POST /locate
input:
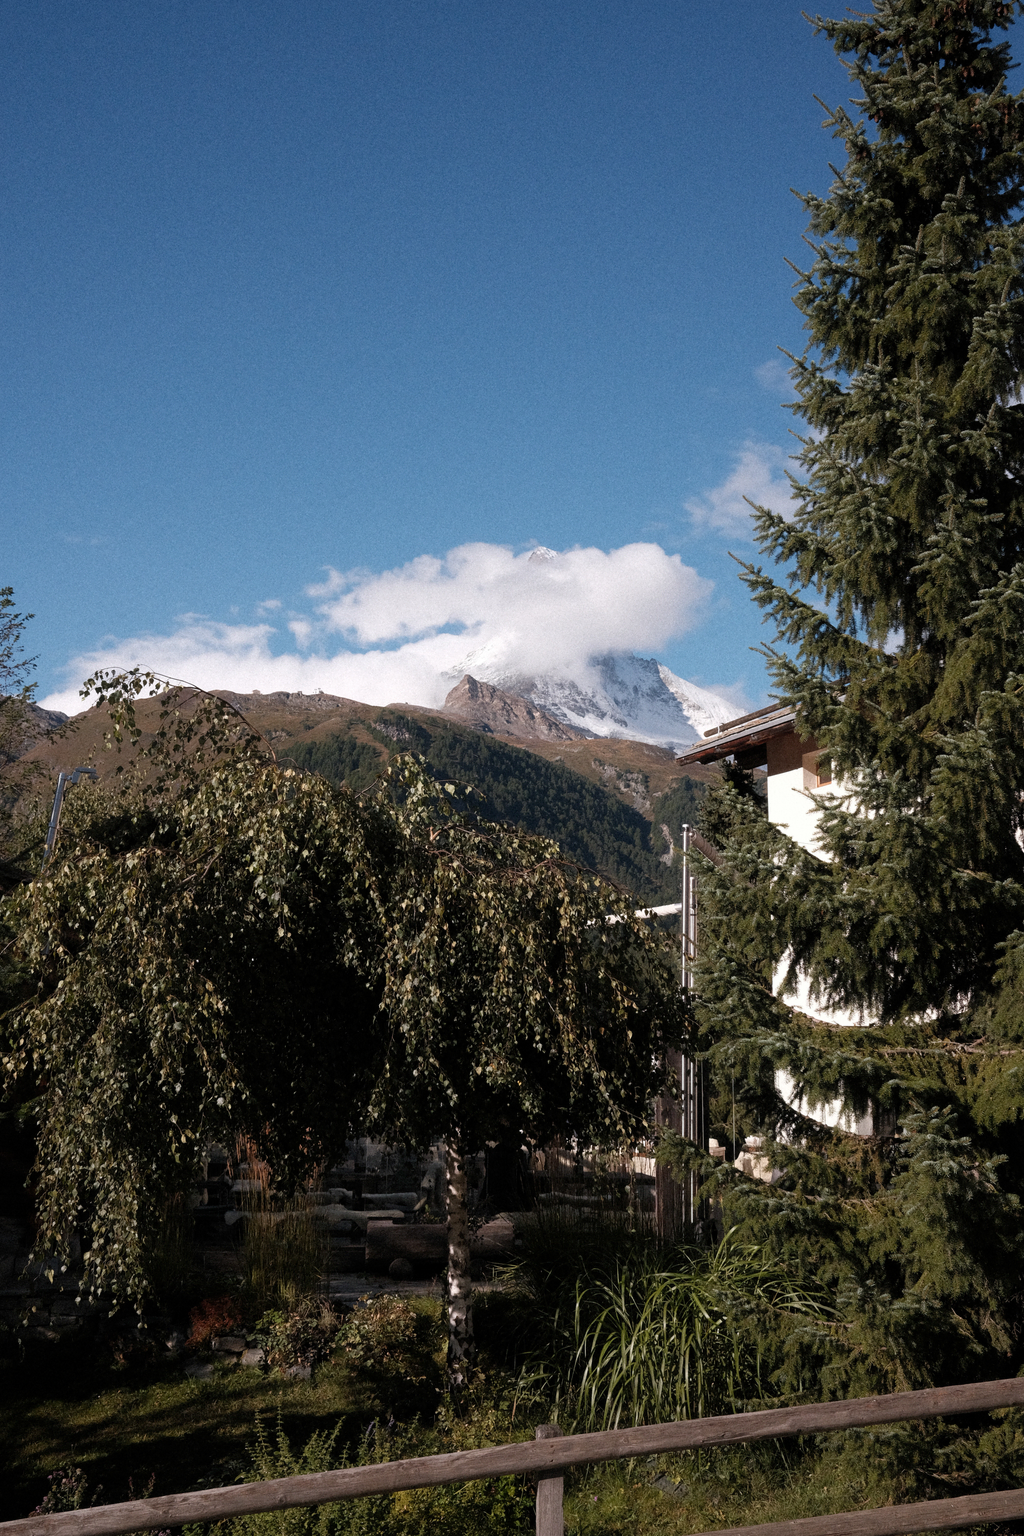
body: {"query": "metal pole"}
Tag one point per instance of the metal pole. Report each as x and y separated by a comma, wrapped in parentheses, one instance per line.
(63, 780)
(550, 1518)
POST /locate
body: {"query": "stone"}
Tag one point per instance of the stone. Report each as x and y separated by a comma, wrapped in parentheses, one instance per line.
(199, 1370)
(669, 1486)
(228, 1344)
(297, 1372)
(400, 1269)
(65, 1324)
(253, 1357)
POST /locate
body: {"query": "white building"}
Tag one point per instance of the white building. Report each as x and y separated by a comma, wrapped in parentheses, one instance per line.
(767, 739)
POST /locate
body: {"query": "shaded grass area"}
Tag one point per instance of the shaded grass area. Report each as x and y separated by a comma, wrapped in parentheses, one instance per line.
(66, 1403)
(718, 1490)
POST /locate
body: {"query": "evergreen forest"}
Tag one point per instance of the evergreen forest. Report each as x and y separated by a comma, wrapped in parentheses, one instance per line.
(590, 824)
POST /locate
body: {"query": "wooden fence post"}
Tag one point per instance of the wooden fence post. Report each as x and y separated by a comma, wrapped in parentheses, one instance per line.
(550, 1521)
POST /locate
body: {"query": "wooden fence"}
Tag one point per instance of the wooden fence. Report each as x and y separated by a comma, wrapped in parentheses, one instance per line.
(547, 1458)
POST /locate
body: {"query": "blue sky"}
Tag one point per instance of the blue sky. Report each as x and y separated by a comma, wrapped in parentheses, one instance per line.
(293, 289)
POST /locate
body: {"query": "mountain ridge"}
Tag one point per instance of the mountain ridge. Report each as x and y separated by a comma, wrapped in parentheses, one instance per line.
(616, 694)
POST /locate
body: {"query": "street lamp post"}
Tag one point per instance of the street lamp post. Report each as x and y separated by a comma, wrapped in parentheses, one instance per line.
(63, 780)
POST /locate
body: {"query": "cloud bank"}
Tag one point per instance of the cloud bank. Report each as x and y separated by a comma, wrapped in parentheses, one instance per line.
(758, 474)
(388, 637)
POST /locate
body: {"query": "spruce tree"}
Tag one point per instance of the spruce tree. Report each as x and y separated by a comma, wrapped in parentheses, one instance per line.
(896, 588)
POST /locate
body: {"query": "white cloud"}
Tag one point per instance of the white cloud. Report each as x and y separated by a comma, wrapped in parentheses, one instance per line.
(757, 476)
(388, 637)
(774, 376)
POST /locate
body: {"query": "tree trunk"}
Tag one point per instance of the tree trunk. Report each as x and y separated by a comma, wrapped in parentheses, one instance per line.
(461, 1343)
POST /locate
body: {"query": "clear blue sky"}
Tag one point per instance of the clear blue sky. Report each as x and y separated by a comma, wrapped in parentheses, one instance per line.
(308, 285)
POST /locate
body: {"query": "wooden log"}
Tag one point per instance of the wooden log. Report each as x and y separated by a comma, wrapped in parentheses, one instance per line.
(896, 1519)
(425, 1246)
(550, 1520)
(541, 1457)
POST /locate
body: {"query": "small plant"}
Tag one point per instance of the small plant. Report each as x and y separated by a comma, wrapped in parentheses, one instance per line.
(301, 1336)
(641, 1333)
(386, 1336)
(213, 1317)
(284, 1249)
(68, 1489)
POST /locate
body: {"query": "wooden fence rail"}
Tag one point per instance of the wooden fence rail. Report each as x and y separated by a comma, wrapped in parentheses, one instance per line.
(548, 1456)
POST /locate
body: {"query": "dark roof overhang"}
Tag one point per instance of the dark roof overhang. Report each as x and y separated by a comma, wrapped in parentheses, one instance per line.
(742, 737)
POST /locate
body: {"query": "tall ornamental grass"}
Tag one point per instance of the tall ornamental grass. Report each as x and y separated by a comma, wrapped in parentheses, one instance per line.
(642, 1333)
(284, 1249)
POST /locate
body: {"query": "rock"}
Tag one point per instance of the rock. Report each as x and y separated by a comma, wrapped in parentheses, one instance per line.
(400, 1269)
(228, 1344)
(253, 1357)
(200, 1370)
(666, 1484)
(297, 1372)
(404, 1200)
(486, 708)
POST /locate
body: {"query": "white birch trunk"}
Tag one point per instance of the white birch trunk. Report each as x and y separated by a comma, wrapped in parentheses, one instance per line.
(461, 1343)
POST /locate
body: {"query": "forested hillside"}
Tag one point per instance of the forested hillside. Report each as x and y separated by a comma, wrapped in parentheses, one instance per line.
(590, 822)
(615, 806)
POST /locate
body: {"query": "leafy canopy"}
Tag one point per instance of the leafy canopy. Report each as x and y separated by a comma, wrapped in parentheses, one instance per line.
(222, 946)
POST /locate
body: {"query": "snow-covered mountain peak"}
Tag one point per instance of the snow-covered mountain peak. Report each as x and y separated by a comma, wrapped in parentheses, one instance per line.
(618, 694)
(704, 708)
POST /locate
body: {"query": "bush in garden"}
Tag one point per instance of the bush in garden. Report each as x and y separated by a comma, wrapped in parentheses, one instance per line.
(301, 1336)
(213, 1317)
(68, 1489)
(388, 1336)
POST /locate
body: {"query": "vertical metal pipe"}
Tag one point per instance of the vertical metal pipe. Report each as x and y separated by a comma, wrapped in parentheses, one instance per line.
(63, 780)
(51, 831)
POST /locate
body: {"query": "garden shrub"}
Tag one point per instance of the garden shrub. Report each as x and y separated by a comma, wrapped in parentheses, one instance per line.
(301, 1336)
(212, 1318)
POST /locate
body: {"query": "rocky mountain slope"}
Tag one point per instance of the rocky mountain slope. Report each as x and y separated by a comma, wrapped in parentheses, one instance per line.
(486, 708)
(630, 697)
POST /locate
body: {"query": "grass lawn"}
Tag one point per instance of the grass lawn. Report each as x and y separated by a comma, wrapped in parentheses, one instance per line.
(64, 1404)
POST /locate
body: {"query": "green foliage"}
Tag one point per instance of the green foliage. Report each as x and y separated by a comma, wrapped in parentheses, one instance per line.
(624, 1330)
(225, 948)
(901, 648)
(395, 1344)
(388, 1336)
(340, 759)
(284, 1254)
(590, 824)
(503, 1505)
(302, 1335)
(513, 1002)
(170, 950)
